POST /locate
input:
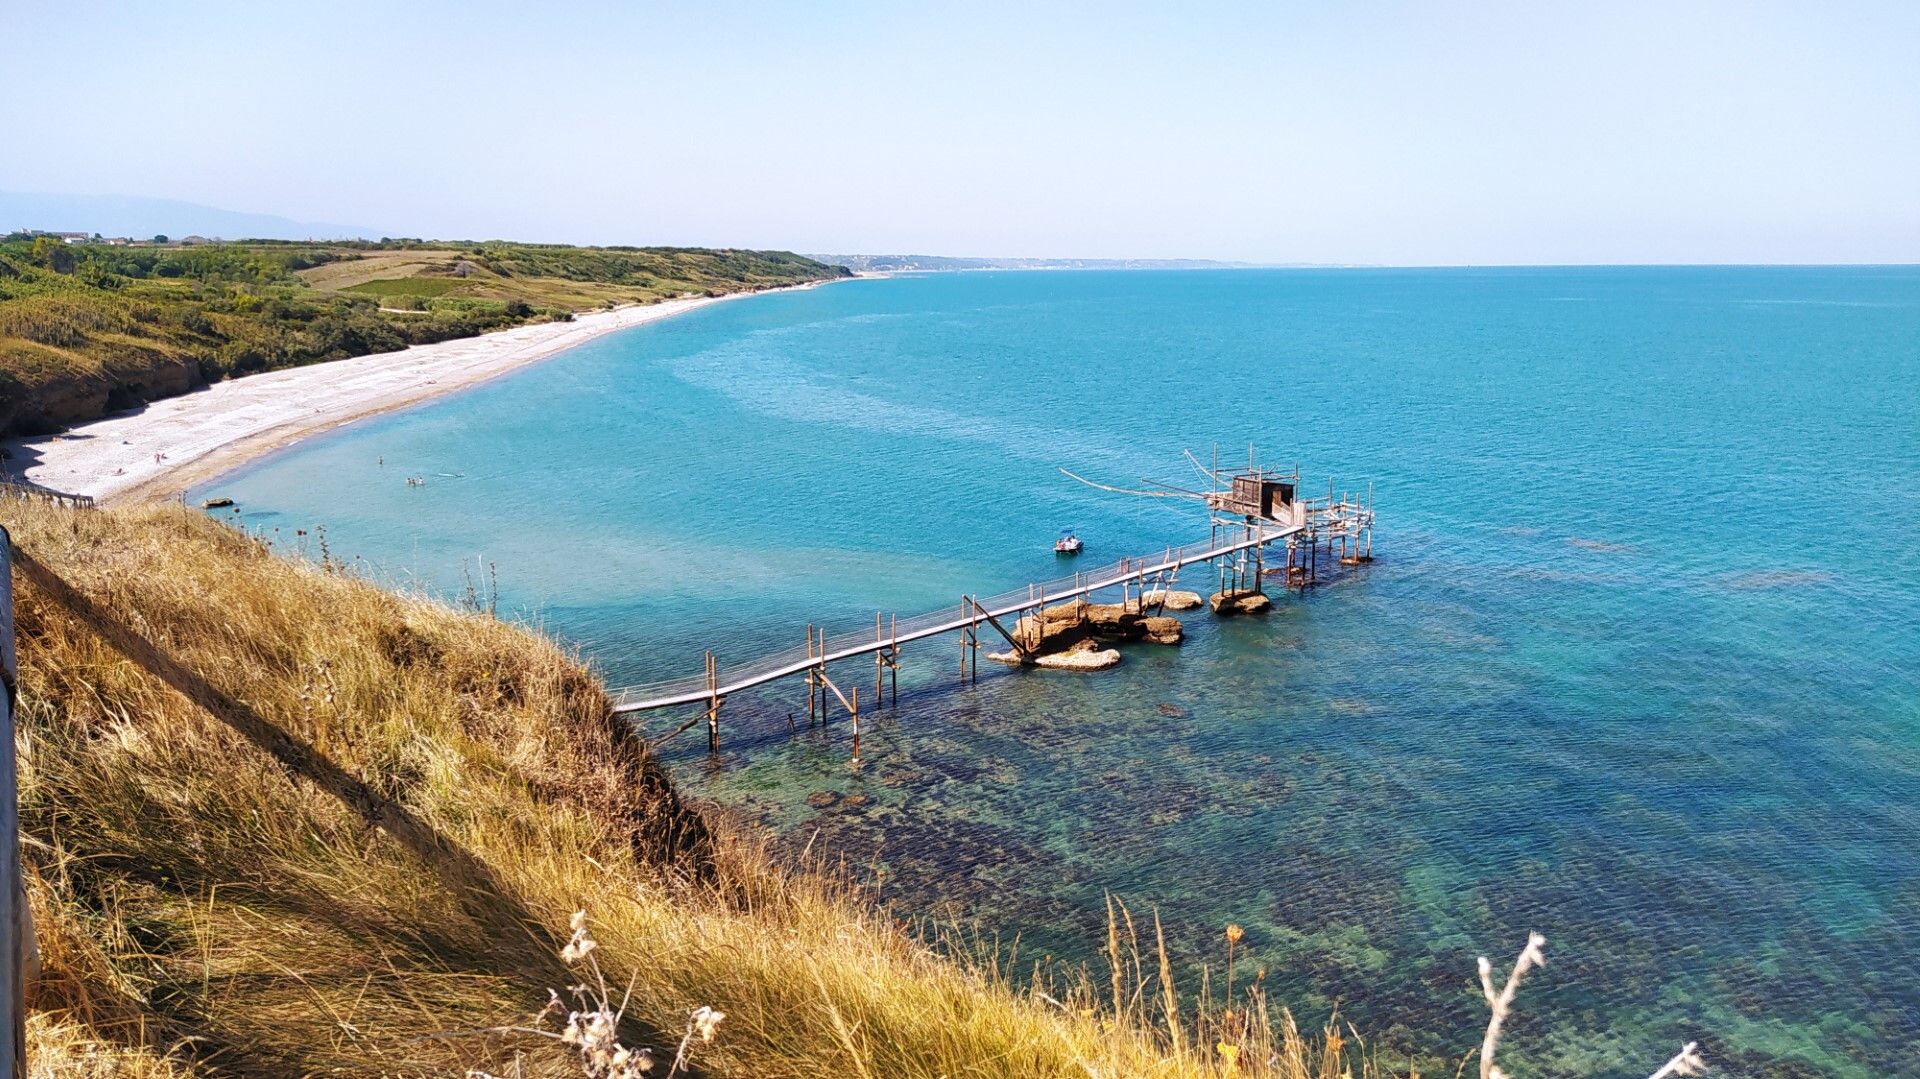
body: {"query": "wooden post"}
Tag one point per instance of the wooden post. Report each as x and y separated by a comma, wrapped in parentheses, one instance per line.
(966, 611)
(17, 947)
(1019, 649)
(810, 685)
(713, 705)
(848, 703)
(822, 672)
(972, 643)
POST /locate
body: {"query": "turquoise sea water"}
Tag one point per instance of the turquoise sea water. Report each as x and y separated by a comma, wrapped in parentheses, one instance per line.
(1636, 667)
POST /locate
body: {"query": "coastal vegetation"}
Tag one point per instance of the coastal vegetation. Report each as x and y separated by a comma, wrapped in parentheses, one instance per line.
(280, 822)
(86, 329)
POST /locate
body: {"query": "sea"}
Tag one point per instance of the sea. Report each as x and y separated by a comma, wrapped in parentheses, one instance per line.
(1636, 665)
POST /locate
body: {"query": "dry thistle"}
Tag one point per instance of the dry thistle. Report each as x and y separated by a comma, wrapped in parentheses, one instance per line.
(580, 945)
(702, 1022)
(592, 1027)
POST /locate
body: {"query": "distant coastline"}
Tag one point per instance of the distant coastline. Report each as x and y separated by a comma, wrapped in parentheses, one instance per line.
(171, 445)
(941, 263)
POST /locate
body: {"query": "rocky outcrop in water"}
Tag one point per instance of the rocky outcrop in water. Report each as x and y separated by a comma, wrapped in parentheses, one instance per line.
(1060, 627)
(1076, 636)
(1163, 629)
(1171, 600)
(1227, 604)
(1084, 656)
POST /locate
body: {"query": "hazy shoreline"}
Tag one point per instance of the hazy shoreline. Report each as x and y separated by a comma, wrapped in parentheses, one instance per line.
(176, 443)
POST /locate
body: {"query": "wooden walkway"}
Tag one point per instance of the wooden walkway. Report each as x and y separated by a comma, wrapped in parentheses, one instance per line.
(1146, 572)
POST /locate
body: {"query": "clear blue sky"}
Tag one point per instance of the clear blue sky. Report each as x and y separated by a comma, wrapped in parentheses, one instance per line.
(1494, 132)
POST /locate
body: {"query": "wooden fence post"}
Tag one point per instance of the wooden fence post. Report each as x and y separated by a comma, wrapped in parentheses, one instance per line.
(16, 921)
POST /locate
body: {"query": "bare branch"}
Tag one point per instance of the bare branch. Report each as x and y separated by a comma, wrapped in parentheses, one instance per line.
(1500, 1004)
(1686, 1062)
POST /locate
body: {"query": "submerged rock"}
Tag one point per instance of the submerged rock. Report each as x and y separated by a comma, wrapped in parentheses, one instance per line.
(1232, 603)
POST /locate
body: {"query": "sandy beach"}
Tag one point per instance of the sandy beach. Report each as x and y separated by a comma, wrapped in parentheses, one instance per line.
(173, 444)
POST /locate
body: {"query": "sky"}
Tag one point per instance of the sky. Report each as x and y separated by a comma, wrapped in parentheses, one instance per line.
(1420, 133)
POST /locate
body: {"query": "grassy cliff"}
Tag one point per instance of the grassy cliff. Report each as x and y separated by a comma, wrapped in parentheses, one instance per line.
(279, 822)
(90, 328)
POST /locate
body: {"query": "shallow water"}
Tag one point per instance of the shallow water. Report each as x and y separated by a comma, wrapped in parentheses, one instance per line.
(1635, 668)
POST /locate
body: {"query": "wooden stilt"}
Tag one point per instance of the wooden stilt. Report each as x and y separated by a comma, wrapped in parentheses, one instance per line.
(714, 701)
(966, 634)
(1018, 647)
(811, 688)
(820, 670)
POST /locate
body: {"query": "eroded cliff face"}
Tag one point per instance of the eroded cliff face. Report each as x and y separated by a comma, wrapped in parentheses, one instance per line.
(33, 406)
(164, 376)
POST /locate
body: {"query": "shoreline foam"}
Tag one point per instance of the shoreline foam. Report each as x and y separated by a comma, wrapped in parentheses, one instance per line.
(205, 434)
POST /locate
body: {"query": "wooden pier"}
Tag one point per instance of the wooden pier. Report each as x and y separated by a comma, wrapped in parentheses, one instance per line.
(1251, 510)
(970, 615)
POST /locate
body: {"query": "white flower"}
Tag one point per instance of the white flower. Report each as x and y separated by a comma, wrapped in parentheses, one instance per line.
(704, 1020)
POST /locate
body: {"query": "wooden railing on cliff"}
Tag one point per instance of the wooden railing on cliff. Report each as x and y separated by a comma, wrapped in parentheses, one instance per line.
(10, 489)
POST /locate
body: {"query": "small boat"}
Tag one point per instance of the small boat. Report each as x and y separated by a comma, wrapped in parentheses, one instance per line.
(216, 503)
(1067, 544)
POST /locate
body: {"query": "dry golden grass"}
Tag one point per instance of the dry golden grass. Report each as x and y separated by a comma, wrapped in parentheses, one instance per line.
(279, 822)
(378, 265)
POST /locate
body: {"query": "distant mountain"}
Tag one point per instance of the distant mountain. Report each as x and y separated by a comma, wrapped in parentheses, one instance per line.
(905, 263)
(139, 218)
